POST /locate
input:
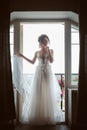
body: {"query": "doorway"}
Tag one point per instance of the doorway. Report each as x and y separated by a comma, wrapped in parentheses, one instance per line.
(63, 34)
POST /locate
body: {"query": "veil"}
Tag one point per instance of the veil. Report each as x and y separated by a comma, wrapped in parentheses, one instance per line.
(21, 80)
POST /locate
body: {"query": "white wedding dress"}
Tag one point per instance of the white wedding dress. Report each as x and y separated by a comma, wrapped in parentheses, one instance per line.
(42, 97)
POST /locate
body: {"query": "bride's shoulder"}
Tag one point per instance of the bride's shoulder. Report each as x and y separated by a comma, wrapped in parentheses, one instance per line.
(37, 52)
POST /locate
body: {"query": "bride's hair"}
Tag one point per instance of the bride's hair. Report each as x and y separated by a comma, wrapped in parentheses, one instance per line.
(42, 37)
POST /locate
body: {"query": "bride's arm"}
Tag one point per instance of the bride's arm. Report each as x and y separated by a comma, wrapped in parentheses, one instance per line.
(29, 60)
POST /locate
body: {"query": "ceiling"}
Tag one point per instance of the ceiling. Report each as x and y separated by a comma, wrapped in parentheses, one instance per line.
(44, 15)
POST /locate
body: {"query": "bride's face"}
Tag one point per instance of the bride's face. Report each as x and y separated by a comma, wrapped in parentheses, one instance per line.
(44, 43)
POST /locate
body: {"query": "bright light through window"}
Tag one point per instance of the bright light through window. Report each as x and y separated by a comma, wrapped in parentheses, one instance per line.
(74, 55)
(55, 32)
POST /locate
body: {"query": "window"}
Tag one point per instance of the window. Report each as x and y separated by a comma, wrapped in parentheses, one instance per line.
(74, 55)
(55, 32)
(12, 43)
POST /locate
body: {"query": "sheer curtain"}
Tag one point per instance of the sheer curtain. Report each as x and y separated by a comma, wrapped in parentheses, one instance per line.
(7, 107)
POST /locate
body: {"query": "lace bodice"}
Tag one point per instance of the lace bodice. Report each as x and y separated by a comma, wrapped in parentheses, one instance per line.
(43, 60)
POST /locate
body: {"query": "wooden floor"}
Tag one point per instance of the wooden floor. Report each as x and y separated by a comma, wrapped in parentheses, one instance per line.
(56, 127)
(27, 127)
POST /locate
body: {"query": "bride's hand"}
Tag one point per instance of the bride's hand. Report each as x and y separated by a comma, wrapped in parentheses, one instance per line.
(48, 49)
(19, 54)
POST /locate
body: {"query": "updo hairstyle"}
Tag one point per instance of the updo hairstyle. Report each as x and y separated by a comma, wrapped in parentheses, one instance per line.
(42, 37)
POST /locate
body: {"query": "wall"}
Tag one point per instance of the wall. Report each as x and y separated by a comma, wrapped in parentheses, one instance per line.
(44, 5)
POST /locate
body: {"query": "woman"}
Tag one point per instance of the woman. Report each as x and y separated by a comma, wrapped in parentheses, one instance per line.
(40, 107)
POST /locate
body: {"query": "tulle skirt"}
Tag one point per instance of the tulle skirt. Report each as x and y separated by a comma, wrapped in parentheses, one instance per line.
(41, 104)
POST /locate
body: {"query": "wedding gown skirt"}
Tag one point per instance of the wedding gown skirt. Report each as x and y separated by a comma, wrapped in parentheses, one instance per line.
(41, 104)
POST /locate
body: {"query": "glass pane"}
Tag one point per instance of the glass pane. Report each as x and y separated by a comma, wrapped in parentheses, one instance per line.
(55, 32)
(74, 64)
(11, 38)
(74, 35)
(75, 38)
(11, 53)
(11, 50)
(12, 28)
(11, 45)
(74, 55)
(75, 58)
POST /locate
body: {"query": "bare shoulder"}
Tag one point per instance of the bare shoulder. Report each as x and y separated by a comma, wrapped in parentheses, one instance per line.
(36, 53)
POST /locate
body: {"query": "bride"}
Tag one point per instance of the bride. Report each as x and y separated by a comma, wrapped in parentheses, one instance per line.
(40, 106)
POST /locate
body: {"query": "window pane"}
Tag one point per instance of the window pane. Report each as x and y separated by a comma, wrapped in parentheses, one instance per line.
(75, 63)
(55, 32)
(11, 29)
(11, 44)
(74, 35)
(11, 49)
(75, 38)
(74, 55)
(11, 38)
